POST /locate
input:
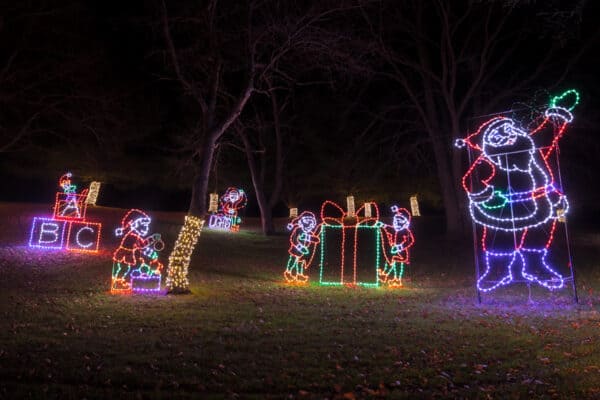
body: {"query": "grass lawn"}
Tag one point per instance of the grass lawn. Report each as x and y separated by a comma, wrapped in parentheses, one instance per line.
(243, 333)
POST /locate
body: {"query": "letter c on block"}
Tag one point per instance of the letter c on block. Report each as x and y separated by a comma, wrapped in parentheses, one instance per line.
(79, 243)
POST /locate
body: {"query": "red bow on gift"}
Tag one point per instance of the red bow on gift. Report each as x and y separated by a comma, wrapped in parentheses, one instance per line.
(334, 215)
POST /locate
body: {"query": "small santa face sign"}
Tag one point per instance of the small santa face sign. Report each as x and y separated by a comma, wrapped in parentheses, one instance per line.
(227, 217)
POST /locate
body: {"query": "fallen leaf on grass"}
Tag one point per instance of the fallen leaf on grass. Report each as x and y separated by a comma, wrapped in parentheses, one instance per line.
(591, 368)
(479, 368)
(532, 381)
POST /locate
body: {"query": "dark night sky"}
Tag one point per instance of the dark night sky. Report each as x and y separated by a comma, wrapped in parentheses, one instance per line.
(123, 130)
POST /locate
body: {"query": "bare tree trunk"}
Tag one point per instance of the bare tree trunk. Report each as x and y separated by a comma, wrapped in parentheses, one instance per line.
(179, 260)
(266, 214)
(201, 77)
(259, 170)
(201, 179)
(454, 225)
(268, 227)
(276, 194)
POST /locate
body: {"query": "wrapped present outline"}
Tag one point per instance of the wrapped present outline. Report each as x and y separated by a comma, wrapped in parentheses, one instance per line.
(334, 217)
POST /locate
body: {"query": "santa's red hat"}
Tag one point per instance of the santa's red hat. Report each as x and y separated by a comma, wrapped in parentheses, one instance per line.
(475, 140)
(130, 220)
(402, 212)
(294, 222)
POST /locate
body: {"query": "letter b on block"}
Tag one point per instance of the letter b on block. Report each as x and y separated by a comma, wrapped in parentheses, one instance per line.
(47, 233)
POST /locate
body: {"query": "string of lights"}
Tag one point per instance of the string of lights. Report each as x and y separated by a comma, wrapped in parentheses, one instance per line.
(179, 260)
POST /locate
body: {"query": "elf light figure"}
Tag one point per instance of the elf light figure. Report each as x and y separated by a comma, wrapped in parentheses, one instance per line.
(399, 239)
(65, 183)
(303, 243)
(136, 258)
(514, 197)
(231, 202)
(69, 204)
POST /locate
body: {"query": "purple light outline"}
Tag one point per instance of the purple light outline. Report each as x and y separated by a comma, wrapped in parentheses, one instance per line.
(146, 278)
(62, 233)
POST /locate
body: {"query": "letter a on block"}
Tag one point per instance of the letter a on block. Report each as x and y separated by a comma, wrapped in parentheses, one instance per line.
(71, 209)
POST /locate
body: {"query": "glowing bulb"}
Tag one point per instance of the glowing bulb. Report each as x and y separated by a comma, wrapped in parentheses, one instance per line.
(93, 192)
(367, 207)
(414, 206)
(213, 203)
(350, 206)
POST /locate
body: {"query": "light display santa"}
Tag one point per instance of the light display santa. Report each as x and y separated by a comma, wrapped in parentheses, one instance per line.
(232, 202)
(514, 197)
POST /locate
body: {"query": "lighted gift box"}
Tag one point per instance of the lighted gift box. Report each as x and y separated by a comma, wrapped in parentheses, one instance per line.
(145, 283)
(350, 247)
